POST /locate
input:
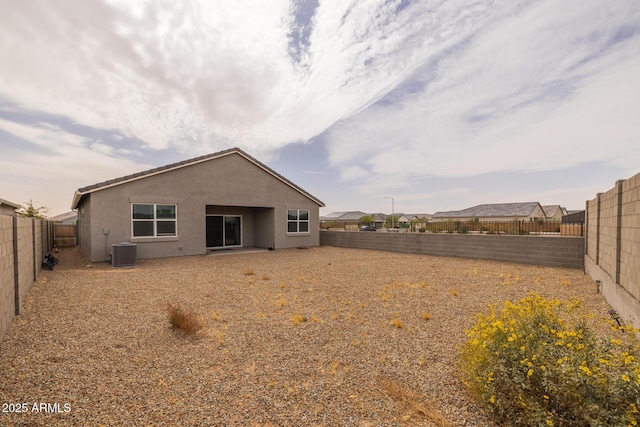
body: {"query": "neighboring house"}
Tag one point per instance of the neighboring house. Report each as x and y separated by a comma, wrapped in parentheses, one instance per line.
(495, 212)
(554, 212)
(418, 221)
(347, 220)
(378, 219)
(402, 220)
(8, 208)
(68, 218)
(350, 218)
(219, 201)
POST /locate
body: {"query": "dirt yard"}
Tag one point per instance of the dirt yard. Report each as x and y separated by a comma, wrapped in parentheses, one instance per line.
(315, 337)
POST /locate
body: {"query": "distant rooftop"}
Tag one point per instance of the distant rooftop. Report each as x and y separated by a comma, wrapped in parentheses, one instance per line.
(491, 210)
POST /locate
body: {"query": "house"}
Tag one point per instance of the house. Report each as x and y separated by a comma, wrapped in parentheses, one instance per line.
(402, 220)
(528, 211)
(68, 218)
(418, 221)
(554, 212)
(8, 208)
(351, 219)
(223, 200)
(377, 219)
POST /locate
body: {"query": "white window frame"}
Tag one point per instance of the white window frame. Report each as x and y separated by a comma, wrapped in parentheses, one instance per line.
(298, 221)
(155, 221)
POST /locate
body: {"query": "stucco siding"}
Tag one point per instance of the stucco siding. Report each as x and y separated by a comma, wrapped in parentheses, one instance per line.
(229, 181)
(84, 238)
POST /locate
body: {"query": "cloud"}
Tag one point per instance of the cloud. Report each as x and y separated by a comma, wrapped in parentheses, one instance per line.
(198, 76)
(170, 74)
(539, 90)
(352, 173)
(59, 163)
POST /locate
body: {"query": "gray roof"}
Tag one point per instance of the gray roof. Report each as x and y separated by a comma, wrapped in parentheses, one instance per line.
(333, 215)
(344, 216)
(492, 210)
(420, 215)
(352, 216)
(551, 210)
(128, 178)
(63, 216)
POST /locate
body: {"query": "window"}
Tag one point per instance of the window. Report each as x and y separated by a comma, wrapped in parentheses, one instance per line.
(297, 221)
(153, 220)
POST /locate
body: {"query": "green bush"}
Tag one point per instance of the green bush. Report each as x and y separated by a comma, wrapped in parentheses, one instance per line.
(537, 363)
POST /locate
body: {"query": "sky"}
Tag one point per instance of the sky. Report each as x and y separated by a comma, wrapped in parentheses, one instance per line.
(441, 105)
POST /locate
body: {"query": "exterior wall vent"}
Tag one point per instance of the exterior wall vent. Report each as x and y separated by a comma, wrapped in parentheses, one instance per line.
(124, 254)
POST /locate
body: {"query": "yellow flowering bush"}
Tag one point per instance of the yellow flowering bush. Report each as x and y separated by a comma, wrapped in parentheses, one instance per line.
(537, 363)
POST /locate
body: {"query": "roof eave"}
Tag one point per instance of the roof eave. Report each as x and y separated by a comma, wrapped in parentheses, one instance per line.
(76, 199)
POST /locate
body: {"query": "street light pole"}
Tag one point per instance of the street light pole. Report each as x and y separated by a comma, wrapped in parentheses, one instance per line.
(392, 211)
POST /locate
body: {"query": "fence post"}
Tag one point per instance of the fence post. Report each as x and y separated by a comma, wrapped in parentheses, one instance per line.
(16, 275)
(598, 228)
(618, 229)
(33, 249)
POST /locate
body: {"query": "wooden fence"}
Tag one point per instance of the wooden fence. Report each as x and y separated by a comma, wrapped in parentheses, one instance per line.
(503, 227)
(64, 235)
(485, 227)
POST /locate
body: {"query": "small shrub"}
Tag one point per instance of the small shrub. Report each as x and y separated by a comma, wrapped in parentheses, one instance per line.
(537, 363)
(188, 323)
(426, 316)
(298, 318)
(249, 272)
(397, 323)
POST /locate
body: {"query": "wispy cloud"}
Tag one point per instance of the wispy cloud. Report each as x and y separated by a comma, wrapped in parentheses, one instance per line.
(59, 162)
(532, 91)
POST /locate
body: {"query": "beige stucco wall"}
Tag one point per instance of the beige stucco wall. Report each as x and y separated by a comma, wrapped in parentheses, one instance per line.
(225, 182)
(613, 246)
(84, 226)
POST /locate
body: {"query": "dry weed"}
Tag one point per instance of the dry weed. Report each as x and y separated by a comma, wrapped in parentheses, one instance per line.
(412, 401)
(188, 323)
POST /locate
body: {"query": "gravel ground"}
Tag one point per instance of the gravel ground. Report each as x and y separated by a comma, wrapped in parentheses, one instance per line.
(291, 338)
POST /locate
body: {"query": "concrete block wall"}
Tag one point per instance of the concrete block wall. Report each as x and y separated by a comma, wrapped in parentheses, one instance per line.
(591, 228)
(630, 236)
(608, 227)
(552, 251)
(33, 239)
(26, 276)
(7, 299)
(613, 246)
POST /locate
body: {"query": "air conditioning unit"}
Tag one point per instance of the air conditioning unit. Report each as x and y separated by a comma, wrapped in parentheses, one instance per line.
(124, 254)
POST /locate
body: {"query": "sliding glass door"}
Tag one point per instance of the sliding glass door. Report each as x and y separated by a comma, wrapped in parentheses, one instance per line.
(224, 231)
